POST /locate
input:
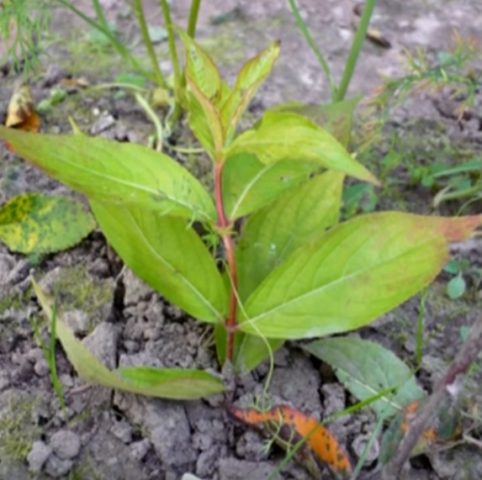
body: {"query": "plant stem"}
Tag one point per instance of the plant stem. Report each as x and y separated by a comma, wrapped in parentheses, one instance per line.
(301, 24)
(224, 224)
(144, 104)
(166, 12)
(141, 19)
(121, 49)
(356, 47)
(193, 14)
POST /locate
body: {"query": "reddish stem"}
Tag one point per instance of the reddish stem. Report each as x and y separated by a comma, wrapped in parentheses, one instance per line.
(225, 225)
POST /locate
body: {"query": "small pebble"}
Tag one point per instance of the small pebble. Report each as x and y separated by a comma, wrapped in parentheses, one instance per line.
(38, 456)
(77, 320)
(66, 444)
(122, 430)
(41, 367)
(57, 467)
(139, 449)
(359, 444)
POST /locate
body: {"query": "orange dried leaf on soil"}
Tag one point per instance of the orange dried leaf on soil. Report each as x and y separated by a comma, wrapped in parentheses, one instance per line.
(21, 113)
(320, 440)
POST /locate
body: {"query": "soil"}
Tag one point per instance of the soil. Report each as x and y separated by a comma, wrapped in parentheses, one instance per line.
(109, 436)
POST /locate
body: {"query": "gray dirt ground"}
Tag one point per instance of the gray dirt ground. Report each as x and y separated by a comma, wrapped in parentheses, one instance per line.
(111, 436)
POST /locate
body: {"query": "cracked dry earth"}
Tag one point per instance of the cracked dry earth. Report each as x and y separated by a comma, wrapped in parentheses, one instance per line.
(113, 436)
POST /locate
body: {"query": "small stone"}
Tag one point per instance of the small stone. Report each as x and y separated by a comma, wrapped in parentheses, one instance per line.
(103, 123)
(41, 367)
(334, 398)
(77, 320)
(123, 431)
(234, 469)
(57, 467)
(136, 289)
(66, 380)
(359, 444)
(4, 380)
(38, 456)
(207, 462)
(66, 444)
(131, 346)
(139, 449)
(102, 342)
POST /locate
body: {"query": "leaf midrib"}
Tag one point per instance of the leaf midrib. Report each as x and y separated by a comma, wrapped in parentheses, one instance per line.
(249, 186)
(135, 186)
(196, 292)
(254, 320)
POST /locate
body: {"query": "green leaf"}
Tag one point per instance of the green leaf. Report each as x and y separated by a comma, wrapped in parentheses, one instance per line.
(351, 275)
(121, 173)
(200, 69)
(274, 232)
(35, 224)
(174, 384)
(249, 185)
(168, 255)
(131, 79)
(366, 368)
(250, 78)
(252, 350)
(204, 120)
(285, 135)
(336, 118)
(456, 287)
(167, 382)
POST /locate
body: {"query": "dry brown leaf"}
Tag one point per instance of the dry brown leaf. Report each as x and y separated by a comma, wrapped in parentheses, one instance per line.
(21, 113)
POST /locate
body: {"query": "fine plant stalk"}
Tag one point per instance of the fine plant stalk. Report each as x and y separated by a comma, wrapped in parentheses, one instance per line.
(144, 104)
(355, 50)
(419, 339)
(99, 13)
(166, 12)
(361, 462)
(224, 225)
(141, 20)
(118, 46)
(303, 27)
(193, 15)
(50, 354)
(467, 354)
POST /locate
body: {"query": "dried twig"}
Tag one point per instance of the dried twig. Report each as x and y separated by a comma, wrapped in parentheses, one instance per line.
(467, 354)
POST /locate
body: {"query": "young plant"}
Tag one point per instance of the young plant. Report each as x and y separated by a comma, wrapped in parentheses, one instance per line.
(287, 271)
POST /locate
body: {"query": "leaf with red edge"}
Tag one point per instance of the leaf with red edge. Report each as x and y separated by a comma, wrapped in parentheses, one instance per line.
(456, 229)
(291, 424)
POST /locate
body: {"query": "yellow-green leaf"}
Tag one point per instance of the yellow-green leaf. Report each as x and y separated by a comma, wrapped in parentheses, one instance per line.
(353, 274)
(271, 235)
(177, 384)
(204, 120)
(249, 185)
(168, 255)
(35, 224)
(250, 78)
(119, 173)
(286, 135)
(200, 69)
